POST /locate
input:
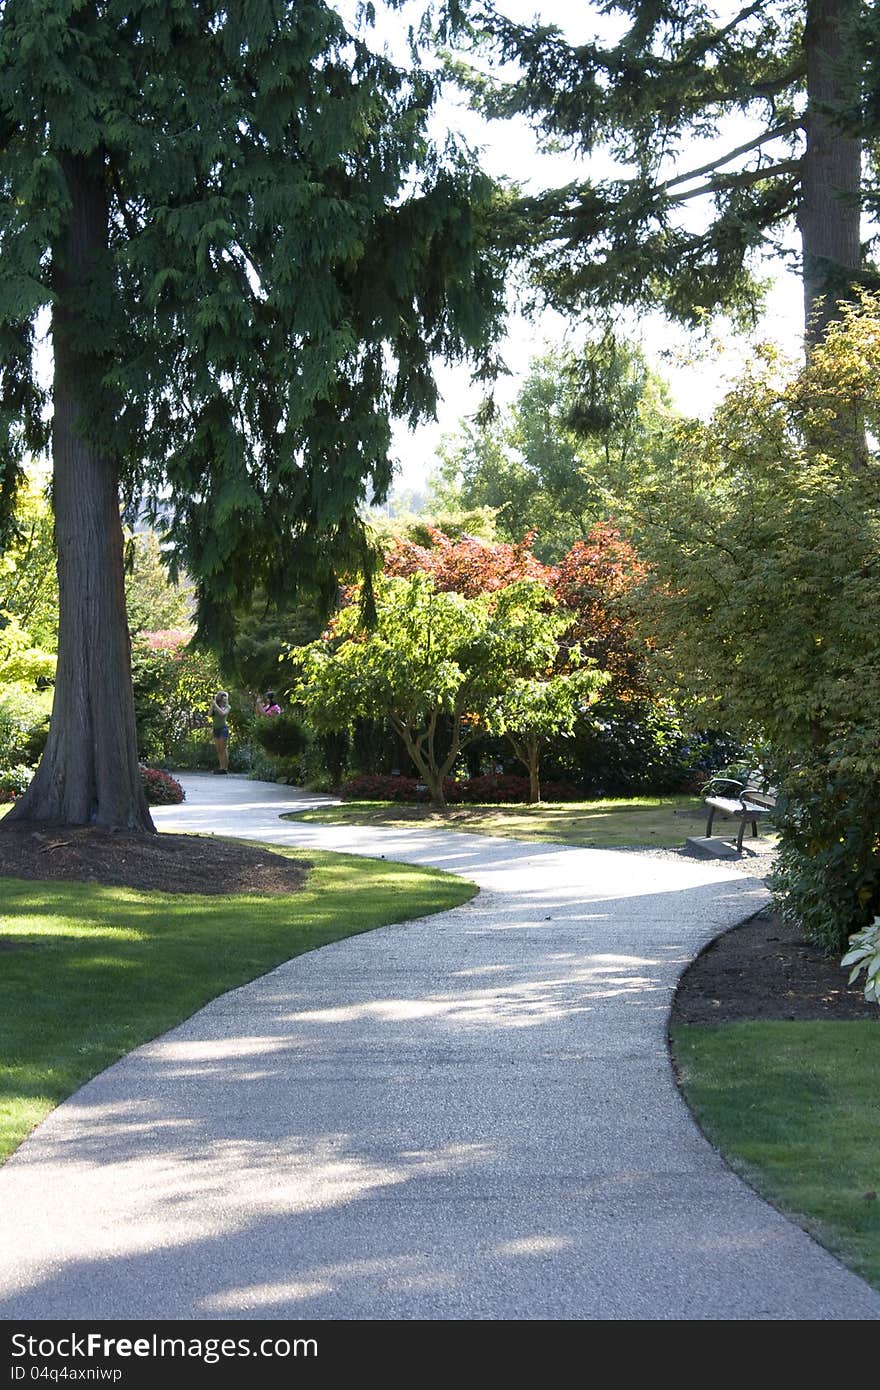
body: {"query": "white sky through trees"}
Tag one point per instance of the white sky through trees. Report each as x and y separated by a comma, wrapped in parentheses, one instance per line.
(509, 149)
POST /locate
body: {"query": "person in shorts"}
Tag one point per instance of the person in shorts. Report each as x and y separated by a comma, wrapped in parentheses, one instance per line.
(220, 724)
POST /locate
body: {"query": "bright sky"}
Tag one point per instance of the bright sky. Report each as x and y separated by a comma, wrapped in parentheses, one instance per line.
(509, 149)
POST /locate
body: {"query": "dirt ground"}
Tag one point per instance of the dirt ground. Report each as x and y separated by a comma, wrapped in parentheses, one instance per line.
(765, 970)
(169, 863)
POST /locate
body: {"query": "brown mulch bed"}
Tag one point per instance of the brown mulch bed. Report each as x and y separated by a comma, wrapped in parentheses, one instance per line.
(169, 863)
(766, 970)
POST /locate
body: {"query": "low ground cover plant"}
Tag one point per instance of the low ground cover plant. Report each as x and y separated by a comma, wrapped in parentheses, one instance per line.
(864, 954)
(491, 789)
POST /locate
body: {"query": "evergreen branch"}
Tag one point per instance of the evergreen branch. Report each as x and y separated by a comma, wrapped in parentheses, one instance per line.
(772, 87)
(124, 211)
(787, 128)
(744, 14)
(743, 180)
(705, 43)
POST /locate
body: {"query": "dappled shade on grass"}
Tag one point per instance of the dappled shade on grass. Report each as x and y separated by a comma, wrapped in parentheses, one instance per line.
(650, 820)
(90, 972)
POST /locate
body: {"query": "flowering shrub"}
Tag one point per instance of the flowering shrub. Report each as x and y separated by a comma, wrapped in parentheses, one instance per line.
(160, 788)
(173, 685)
(380, 788)
(14, 782)
(167, 639)
(493, 789)
(498, 788)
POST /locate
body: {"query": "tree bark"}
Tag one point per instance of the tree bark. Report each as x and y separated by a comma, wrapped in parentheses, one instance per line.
(534, 782)
(89, 771)
(528, 753)
(830, 214)
(432, 778)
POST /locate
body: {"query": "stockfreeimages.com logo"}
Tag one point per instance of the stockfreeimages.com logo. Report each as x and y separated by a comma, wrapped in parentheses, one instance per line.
(94, 1346)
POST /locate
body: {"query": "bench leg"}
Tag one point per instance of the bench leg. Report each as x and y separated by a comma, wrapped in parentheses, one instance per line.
(709, 825)
(755, 829)
(739, 838)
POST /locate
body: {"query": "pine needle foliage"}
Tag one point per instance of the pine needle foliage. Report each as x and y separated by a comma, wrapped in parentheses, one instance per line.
(721, 126)
(285, 250)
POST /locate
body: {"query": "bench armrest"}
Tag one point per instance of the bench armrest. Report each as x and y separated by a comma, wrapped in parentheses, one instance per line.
(715, 784)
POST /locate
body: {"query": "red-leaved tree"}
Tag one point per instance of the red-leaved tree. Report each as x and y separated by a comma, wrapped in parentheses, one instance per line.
(468, 566)
(594, 581)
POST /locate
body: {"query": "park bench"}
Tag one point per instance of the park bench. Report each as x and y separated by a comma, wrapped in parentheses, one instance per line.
(747, 801)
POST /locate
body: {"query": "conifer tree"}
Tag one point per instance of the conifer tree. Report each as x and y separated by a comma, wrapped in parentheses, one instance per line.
(251, 252)
(677, 71)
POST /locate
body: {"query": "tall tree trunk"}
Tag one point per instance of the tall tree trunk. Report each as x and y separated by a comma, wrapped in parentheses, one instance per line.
(89, 771)
(534, 782)
(527, 751)
(830, 221)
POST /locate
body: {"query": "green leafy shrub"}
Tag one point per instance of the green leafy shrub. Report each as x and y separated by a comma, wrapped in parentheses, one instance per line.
(257, 763)
(864, 954)
(24, 723)
(762, 531)
(626, 749)
(281, 735)
(827, 874)
(173, 686)
(192, 752)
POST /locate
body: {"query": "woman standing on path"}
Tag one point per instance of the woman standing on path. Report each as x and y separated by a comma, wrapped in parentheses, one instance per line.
(219, 718)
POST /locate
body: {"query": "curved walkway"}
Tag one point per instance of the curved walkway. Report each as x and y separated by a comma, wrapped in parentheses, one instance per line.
(467, 1116)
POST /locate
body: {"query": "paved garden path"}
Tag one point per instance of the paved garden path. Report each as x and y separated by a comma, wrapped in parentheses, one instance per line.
(467, 1116)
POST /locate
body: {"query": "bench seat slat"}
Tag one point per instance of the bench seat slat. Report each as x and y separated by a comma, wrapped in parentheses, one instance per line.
(749, 805)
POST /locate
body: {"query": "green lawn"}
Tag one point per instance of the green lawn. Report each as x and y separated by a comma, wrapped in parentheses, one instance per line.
(90, 972)
(793, 1107)
(643, 820)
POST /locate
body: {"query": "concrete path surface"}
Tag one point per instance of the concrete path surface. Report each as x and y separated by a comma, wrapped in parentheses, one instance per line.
(471, 1116)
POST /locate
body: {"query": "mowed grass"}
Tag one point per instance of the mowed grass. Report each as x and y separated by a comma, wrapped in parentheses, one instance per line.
(646, 820)
(88, 973)
(793, 1107)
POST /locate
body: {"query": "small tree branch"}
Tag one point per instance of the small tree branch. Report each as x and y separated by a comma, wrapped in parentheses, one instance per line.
(742, 180)
(745, 13)
(787, 128)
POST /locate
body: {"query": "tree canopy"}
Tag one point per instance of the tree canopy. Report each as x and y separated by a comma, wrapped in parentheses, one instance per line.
(272, 281)
(582, 418)
(763, 546)
(251, 251)
(443, 668)
(725, 128)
